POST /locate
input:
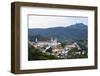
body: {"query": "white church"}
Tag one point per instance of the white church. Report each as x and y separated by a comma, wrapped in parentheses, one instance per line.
(51, 43)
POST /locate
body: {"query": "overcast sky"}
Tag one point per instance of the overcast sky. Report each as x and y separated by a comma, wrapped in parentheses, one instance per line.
(37, 21)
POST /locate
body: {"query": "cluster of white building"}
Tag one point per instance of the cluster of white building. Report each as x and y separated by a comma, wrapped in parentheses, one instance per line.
(57, 49)
(52, 42)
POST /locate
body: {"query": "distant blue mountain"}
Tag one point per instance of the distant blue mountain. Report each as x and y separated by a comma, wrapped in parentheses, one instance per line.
(73, 32)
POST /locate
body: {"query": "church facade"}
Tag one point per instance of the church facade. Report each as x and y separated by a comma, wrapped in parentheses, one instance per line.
(51, 43)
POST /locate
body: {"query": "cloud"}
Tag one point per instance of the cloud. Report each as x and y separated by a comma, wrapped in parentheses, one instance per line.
(37, 21)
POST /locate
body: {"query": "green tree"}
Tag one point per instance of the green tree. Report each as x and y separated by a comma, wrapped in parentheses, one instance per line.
(63, 44)
(36, 54)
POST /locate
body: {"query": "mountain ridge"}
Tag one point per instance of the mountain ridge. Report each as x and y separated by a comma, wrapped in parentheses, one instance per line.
(74, 32)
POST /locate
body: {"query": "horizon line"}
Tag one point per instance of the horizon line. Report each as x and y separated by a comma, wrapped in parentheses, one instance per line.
(59, 26)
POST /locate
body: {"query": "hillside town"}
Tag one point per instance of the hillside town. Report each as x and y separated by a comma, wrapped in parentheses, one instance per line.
(54, 47)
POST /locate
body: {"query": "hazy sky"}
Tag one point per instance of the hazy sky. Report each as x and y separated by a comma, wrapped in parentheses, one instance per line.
(39, 21)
